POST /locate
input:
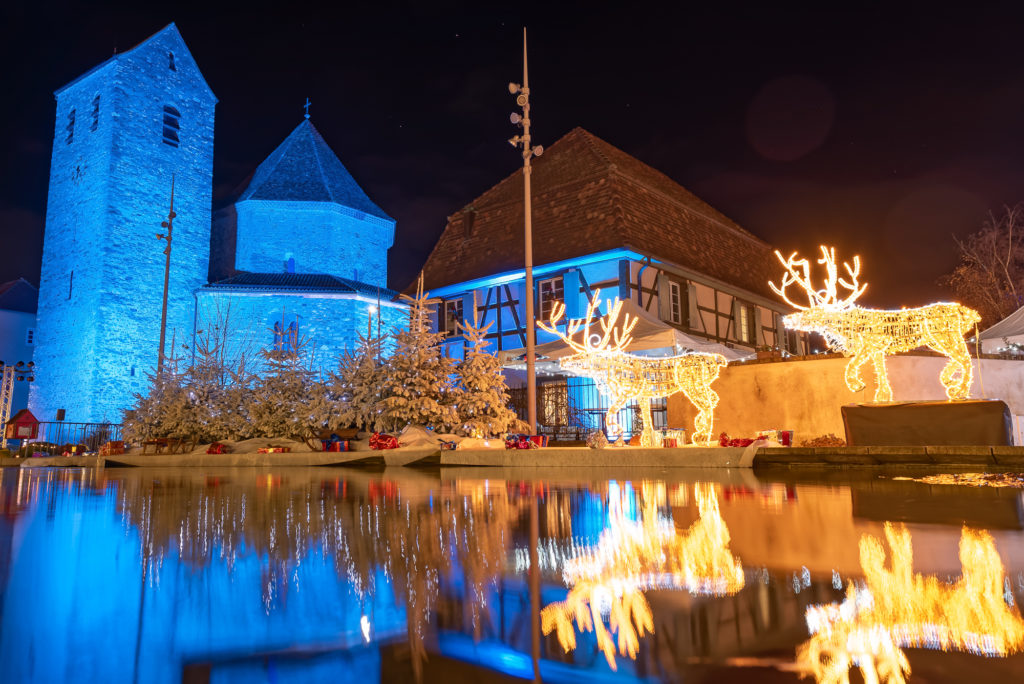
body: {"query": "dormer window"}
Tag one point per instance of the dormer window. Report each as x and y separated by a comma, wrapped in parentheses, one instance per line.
(172, 126)
(170, 61)
(95, 113)
(70, 127)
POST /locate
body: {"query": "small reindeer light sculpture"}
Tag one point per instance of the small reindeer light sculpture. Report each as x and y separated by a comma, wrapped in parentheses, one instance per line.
(872, 334)
(626, 377)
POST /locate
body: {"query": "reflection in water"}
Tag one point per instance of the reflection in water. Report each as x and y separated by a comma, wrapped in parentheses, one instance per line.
(632, 557)
(412, 543)
(296, 575)
(898, 608)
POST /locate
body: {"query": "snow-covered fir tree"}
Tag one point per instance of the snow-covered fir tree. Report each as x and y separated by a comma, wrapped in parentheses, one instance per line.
(419, 387)
(288, 399)
(161, 411)
(357, 387)
(484, 403)
(209, 413)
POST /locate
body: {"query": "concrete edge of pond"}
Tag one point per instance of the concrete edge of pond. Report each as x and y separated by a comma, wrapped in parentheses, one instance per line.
(988, 457)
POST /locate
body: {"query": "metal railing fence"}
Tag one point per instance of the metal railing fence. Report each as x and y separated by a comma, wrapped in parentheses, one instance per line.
(570, 407)
(56, 438)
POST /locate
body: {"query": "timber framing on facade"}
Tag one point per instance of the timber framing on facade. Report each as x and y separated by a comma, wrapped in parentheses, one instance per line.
(604, 220)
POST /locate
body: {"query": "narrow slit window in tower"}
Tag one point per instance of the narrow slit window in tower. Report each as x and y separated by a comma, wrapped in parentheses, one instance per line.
(172, 126)
(95, 113)
(170, 62)
(71, 127)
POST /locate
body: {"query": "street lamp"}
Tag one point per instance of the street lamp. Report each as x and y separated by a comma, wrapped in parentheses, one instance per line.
(522, 93)
(169, 225)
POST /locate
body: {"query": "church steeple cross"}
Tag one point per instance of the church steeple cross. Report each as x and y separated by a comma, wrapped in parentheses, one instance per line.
(306, 107)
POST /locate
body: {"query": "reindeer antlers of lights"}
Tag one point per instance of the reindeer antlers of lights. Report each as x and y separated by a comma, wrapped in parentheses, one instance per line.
(827, 297)
(612, 337)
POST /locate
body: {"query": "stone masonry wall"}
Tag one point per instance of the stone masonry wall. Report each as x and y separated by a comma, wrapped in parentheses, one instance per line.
(96, 346)
(322, 237)
(329, 324)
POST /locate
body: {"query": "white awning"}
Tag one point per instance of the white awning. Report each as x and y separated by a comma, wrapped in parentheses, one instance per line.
(1010, 328)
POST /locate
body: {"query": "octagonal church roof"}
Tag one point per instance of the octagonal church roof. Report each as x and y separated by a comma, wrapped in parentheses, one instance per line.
(304, 169)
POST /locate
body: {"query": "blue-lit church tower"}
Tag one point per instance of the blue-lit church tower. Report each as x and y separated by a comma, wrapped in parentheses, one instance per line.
(123, 130)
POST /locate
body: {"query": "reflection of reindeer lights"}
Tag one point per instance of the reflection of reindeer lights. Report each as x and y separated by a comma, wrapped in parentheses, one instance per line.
(631, 557)
(870, 334)
(897, 608)
(626, 377)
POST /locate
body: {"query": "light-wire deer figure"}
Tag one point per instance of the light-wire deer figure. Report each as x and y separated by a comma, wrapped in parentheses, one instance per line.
(626, 377)
(872, 334)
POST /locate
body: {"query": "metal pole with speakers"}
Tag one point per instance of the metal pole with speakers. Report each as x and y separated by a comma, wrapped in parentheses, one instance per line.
(522, 93)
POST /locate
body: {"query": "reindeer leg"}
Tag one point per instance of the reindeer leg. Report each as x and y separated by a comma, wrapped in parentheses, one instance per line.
(854, 382)
(647, 436)
(958, 373)
(883, 392)
(704, 421)
(612, 418)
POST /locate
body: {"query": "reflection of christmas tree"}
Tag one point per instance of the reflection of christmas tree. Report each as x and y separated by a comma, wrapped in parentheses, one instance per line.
(460, 539)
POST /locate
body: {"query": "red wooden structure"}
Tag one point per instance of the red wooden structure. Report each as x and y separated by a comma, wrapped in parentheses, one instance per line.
(23, 425)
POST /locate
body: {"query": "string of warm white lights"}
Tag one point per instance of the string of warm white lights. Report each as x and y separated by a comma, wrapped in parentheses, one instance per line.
(872, 334)
(627, 377)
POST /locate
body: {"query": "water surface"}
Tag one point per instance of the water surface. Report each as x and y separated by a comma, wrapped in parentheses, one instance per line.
(308, 575)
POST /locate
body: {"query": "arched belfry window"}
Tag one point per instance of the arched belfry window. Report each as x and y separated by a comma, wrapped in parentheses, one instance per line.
(170, 62)
(172, 126)
(95, 113)
(70, 127)
(285, 328)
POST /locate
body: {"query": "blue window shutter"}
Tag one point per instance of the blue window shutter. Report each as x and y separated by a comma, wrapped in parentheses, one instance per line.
(571, 289)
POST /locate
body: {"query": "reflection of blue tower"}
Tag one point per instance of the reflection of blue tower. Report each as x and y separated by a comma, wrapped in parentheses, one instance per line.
(77, 566)
(123, 130)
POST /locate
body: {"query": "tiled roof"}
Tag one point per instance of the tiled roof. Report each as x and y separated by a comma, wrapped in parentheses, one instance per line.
(18, 295)
(588, 197)
(301, 282)
(304, 169)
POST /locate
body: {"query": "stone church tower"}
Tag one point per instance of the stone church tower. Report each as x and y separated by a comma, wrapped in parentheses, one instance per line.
(123, 130)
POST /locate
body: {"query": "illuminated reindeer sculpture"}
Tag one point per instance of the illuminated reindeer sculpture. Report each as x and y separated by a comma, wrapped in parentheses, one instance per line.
(626, 377)
(871, 334)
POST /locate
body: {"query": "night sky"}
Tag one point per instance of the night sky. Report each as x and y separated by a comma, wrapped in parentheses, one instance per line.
(882, 129)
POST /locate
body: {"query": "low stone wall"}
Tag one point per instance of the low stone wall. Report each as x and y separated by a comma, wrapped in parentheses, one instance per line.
(806, 394)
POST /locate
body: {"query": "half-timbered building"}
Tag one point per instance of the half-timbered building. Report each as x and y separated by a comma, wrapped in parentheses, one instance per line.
(604, 220)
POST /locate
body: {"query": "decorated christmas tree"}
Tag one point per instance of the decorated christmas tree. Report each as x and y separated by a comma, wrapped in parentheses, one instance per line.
(216, 385)
(160, 413)
(357, 387)
(288, 399)
(418, 385)
(484, 405)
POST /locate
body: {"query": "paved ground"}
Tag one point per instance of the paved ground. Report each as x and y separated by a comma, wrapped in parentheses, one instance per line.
(796, 458)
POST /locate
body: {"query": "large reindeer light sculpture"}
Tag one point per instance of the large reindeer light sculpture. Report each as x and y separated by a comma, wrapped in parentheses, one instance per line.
(871, 334)
(626, 377)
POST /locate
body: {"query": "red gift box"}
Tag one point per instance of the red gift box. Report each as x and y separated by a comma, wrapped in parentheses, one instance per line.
(670, 442)
(335, 445)
(526, 441)
(380, 441)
